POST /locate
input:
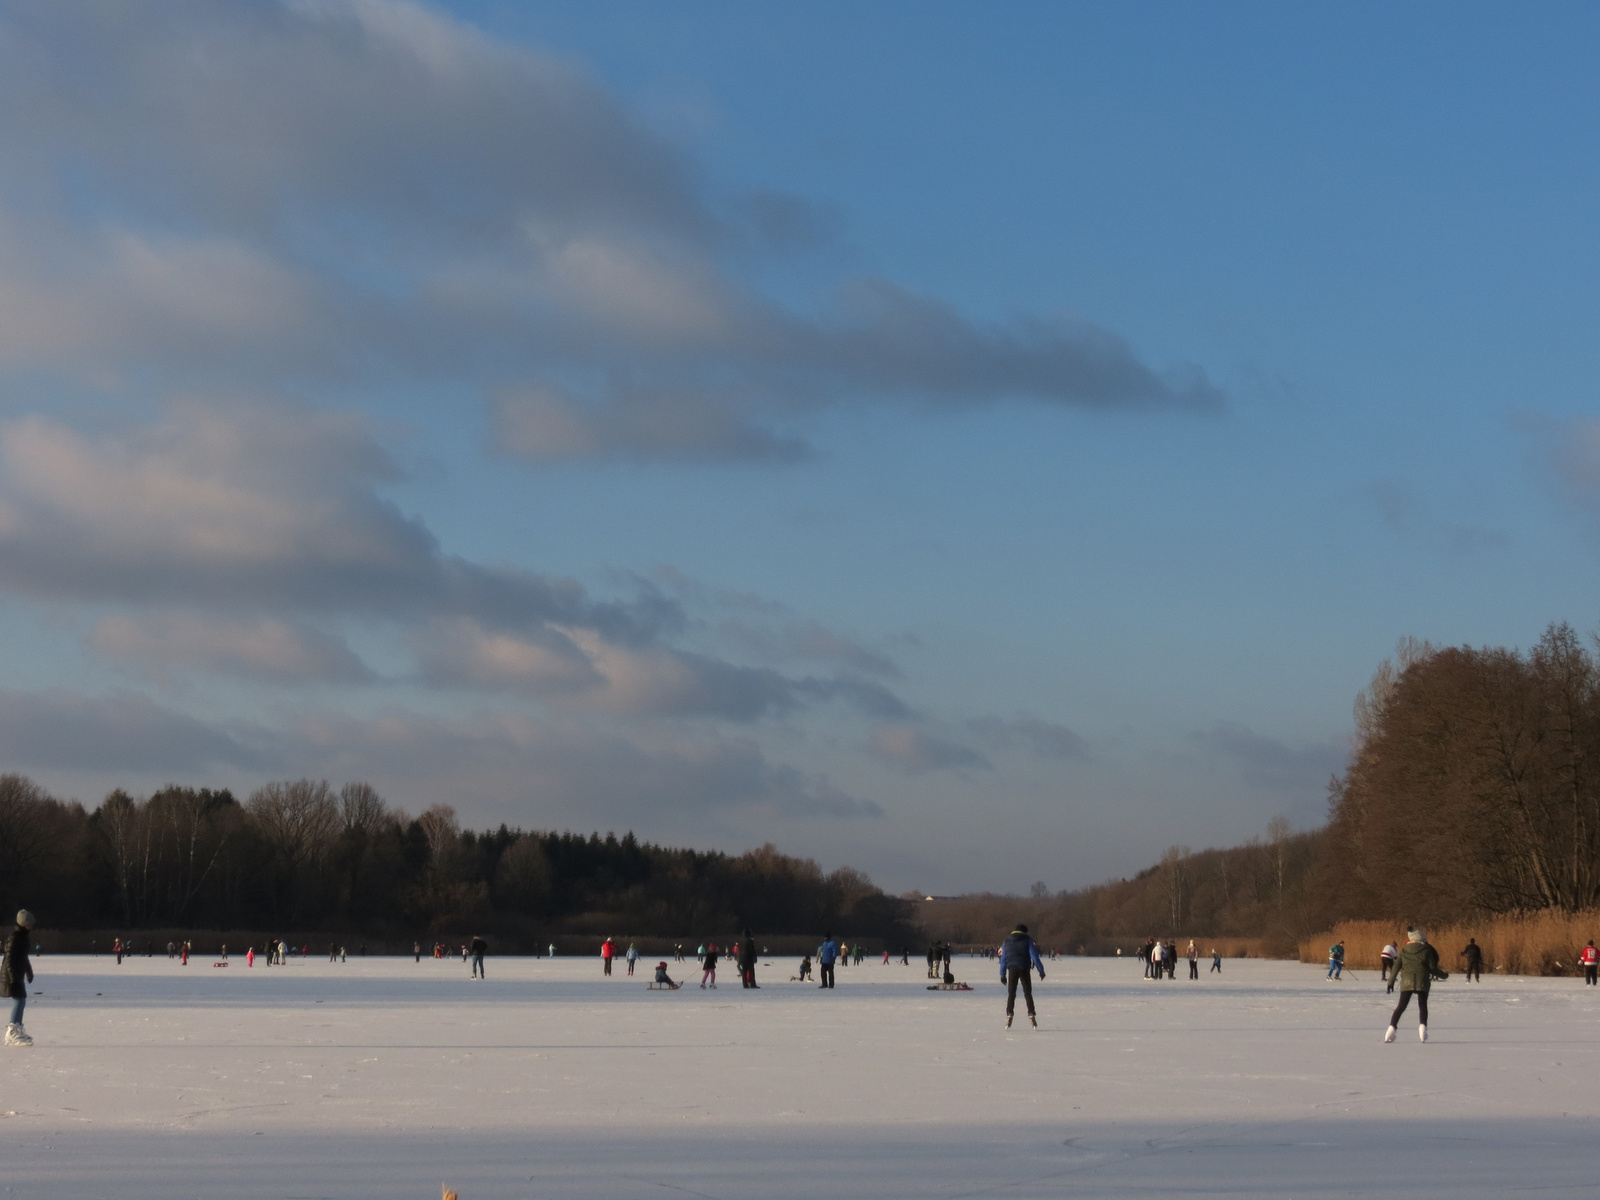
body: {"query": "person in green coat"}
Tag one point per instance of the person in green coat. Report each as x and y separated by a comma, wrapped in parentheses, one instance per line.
(1416, 970)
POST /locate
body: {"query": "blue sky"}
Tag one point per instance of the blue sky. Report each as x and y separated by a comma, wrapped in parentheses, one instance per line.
(976, 445)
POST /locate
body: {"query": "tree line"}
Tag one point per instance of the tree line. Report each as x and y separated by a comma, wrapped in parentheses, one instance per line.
(297, 855)
(1472, 791)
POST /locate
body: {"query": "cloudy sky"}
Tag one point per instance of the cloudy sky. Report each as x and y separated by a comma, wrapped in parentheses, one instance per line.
(976, 445)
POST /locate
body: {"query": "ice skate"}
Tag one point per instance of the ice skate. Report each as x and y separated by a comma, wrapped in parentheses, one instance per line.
(1008, 1020)
(1033, 1020)
(1388, 1034)
(16, 1035)
(1422, 1033)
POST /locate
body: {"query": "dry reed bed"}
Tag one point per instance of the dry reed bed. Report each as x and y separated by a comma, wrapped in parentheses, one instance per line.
(1536, 943)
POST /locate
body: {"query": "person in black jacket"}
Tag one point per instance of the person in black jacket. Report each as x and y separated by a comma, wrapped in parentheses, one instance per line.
(479, 948)
(1473, 953)
(747, 961)
(16, 972)
(1019, 956)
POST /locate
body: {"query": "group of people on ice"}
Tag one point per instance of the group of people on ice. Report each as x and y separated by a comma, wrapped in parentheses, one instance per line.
(1161, 958)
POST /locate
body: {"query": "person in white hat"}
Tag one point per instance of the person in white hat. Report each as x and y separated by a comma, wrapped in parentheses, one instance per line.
(16, 972)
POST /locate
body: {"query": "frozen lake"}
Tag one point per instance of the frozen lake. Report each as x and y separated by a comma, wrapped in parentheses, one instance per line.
(383, 1077)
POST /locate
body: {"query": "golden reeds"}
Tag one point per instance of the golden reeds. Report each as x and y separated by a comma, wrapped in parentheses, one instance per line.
(1535, 943)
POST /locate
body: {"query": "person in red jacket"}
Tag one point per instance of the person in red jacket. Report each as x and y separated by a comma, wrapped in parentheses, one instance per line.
(1590, 958)
(608, 951)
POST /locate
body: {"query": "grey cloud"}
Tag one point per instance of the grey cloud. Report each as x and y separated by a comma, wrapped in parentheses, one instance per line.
(361, 187)
(654, 681)
(917, 750)
(498, 756)
(125, 731)
(545, 426)
(873, 699)
(265, 648)
(247, 114)
(787, 222)
(1040, 737)
(1269, 762)
(786, 639)
(575, 768)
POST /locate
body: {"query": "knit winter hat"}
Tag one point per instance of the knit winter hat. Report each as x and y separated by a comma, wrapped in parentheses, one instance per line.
(1415, 935)
(25, 918)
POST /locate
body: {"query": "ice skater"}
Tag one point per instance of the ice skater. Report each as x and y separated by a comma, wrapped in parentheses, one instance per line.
(1590, 958)
(747, 961)
(479, 948)
(16, 973)
(1336, 961)
(1474, 956)
(1386, 960)
(708, 965)
(1415, 971)
(1216, 961)
(1019, 956)
(608, 951)
(828, 952)
(1194, 961)
(632, 956)
(805, 971)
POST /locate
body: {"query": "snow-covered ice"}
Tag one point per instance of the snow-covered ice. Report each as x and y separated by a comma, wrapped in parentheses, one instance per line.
(383, 1077)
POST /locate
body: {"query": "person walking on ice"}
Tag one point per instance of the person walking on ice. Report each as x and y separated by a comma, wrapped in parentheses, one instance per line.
(1590, 958)
(608, 951)
(1474, 956)
(1415, 972)
(479, 948)
(16, 972)
(1019, 956)
(632, 956)
(1386, 961)
(1194, 961)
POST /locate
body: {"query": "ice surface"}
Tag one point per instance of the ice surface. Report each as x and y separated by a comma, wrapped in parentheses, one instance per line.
(383, 1077)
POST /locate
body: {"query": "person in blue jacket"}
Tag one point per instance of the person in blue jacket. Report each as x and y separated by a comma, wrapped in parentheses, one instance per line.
(1018, 957)
(825, 959)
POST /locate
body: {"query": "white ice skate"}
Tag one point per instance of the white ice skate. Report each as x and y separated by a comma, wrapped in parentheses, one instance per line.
(16, 1035)
(1008, 1020)
(1422, 1033)
(1033, 1020)
(1388, 1034)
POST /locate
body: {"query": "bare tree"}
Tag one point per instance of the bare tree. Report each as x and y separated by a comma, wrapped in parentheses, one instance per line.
(299, 818)
(361, 808)
(1278, 833)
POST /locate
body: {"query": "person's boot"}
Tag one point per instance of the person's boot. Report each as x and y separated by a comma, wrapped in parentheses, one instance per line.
(16, 1035)
(1388, 1034)
(1422, 1033)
